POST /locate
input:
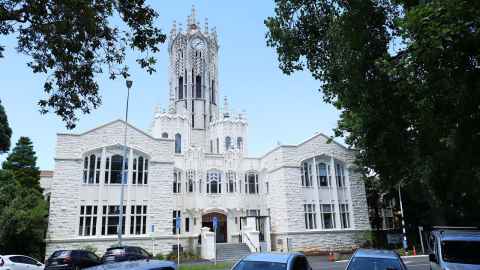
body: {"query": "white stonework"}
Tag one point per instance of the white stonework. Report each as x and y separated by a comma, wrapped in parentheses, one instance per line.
(188, 142)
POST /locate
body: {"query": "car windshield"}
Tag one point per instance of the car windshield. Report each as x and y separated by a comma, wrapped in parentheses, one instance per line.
(115, 251)
(364, 263)
(461, 252)
(60, 253)
(252, 265)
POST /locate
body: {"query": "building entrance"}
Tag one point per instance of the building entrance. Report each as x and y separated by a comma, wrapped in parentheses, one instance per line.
(207, 221)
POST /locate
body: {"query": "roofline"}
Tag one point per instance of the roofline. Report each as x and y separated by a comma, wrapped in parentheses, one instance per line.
(110, 123)
(307, 140)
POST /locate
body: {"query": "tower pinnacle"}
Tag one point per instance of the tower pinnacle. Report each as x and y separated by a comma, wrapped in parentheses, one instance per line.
(226, 111)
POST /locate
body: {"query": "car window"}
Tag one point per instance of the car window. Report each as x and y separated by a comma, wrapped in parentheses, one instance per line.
(92, 256)
(16, 259)
(249, 265)
(365, 263)
(300, 263)
(465, 252)
(29, 260)
(60, 253)
(115, 251)
(143, 252)
(131, 250)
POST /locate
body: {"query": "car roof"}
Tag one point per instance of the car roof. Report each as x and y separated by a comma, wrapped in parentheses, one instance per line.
(278, 257)
(376, 253)
(137, 265)
(460, 235)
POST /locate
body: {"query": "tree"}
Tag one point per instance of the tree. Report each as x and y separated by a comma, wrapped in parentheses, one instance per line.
(23, 210)
(72, 41)
(5, 131)
(405, 76)
(22, 164)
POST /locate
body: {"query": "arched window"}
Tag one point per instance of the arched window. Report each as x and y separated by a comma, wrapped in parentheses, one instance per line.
(116, 169)
(228, 143)
(251, 183)
(178, 143)
(180, 87)
(214, 182)
(198, 86)
(91, 169)
(177, 182)
(240, 143)
(306, 174)
(165, 135)
(322, 180)
(190, 180)
(230, 177)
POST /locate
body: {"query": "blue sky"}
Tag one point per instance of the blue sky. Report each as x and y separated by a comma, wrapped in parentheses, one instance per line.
(279, 108)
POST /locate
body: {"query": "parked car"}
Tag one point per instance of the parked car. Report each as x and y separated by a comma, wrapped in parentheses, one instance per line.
(137, 265)
(19, 262)
(454, 249)
(273, 261)
(369, 259)
(125, 253)
(71, 259)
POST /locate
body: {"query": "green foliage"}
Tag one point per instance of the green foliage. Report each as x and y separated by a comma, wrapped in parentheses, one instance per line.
(90, 248)
(23, 210)
(5, 131)
(73, 41)
(406, 78)
(22, 163)
(185, 256)
(159, 256)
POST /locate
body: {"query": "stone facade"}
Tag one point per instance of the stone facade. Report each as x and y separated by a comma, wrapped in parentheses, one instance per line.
(193, 164)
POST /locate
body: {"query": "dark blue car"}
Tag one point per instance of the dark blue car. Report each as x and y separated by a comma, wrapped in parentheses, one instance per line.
(370, 259)
(273, 261)
(137, 265)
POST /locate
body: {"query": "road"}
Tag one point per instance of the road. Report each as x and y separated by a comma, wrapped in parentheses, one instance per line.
(412, 263)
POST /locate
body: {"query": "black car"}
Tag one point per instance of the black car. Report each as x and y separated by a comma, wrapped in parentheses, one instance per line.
(71, 259)
(125, 253)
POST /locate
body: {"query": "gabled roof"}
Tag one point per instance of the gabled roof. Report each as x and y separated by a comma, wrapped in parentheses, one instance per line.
(112, 123)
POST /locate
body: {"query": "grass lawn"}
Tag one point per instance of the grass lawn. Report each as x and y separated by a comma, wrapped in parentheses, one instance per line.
(206, 266)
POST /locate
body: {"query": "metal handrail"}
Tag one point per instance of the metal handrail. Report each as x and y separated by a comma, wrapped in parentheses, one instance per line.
(249, 241)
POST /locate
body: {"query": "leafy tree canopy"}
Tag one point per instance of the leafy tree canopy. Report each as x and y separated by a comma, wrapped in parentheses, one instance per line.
(406, 77)
(22, 164)
(72, 41)
(5, 131)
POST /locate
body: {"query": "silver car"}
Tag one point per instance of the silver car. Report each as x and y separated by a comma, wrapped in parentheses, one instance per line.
(273, 261)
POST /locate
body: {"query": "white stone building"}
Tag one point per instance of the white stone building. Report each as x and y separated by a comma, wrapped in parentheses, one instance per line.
(193, 164)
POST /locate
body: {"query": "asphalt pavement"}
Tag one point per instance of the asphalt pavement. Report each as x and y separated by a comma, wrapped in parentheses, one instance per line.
(412, 263)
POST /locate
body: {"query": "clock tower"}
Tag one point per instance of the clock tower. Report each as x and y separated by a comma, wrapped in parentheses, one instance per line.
(194, 73)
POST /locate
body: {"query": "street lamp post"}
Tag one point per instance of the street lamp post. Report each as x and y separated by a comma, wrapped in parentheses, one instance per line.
(124, 167)
(404, 242)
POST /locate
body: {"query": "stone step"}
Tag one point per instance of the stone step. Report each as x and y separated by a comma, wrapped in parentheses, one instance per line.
(231, 251)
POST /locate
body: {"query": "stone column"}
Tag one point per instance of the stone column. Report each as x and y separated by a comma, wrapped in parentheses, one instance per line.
(129, 187)
(317, 193)
(349, 196)
(335, 193)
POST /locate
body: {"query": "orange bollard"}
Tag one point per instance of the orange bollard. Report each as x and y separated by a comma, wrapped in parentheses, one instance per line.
(414, 251)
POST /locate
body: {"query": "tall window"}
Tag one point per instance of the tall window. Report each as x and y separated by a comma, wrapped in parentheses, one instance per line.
(177, 182)
(251, 183)
(218, 145)
(328, 216)
(212, 94)
(187, 224)
(91, 169)
(88, 220)
(211, 146)
(214, 182)
(114, 168)
(165, 135)
(110, 219)
(231, 181)
(198, 86)
(306, 174)
(178, 143)
(322, 180)
(340, 175)
(344, 216)
(310, 216)
(190, 180)
(138, 219)
(180, 87)
(175, 215)
(228, 143)
(240, 143)
(140, 171)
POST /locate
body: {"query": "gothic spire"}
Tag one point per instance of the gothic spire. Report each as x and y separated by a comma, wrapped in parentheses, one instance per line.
(226, 111)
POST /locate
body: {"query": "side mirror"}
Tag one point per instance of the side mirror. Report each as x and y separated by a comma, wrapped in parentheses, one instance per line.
(432, 257)
(39, 264)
